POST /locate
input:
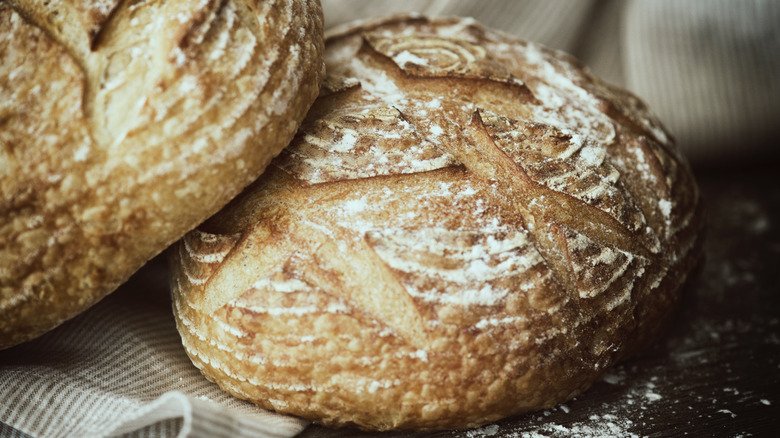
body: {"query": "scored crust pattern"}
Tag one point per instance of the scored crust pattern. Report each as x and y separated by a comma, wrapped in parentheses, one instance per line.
(123, 124)
(467, 226)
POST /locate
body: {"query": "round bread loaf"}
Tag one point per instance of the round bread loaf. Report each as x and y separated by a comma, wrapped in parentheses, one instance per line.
(467, 226)
(124, 125)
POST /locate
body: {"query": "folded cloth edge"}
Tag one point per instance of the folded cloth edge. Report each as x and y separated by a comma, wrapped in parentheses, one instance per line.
(202, 418)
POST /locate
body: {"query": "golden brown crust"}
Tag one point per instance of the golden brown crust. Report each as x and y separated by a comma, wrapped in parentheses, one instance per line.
(124, 125)
(467, 226)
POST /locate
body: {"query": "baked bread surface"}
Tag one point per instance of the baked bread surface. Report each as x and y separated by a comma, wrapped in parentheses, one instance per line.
(125, 124)
(467, 226)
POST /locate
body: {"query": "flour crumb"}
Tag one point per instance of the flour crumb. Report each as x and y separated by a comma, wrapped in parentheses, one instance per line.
(728, 412)
(485, 431)
(665, 206)
(613, 379)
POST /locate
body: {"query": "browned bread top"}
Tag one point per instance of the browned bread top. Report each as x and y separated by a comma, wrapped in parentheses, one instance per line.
(125, 124)
(467, 226)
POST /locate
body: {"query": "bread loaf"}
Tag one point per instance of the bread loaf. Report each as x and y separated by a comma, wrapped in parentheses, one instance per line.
(467, 226)
(125, 124)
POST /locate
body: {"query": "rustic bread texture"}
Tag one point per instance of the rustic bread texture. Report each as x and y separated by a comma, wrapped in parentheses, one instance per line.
(125, 124)
(467, 226)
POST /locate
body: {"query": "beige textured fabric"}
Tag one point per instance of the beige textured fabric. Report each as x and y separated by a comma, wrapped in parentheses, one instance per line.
(119, 370)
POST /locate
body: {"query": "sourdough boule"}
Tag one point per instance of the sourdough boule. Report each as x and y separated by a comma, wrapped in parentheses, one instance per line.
(123, 125)
(467, 226)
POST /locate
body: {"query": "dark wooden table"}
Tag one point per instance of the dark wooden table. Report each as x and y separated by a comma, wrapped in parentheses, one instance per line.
(717, 370)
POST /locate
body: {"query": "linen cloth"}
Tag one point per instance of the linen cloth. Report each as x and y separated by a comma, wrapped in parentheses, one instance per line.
(708, 68)
(119, 369)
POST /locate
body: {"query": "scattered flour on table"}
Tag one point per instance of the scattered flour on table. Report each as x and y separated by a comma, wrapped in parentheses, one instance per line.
(485, 431)
(605, 425)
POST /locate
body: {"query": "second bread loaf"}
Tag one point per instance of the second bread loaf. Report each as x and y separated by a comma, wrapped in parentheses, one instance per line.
(467, 226)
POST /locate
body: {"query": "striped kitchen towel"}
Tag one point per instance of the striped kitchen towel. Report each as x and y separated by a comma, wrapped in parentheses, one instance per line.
(120, 370)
